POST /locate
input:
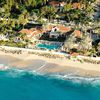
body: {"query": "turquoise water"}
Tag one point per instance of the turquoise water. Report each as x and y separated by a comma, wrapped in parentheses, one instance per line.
(20, 85)
(49, 47)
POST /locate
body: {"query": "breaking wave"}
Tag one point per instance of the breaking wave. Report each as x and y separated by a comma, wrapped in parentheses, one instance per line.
(14, 72)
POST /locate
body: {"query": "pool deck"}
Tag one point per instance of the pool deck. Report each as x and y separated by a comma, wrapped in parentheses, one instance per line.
(49, 45)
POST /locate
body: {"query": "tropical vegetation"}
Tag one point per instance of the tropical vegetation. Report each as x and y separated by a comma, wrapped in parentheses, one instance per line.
(15, 14)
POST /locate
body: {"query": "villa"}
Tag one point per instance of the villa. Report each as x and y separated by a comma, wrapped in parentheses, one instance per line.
(55, 32)
(32, 34)
(54, 3)
(75, 41)
(55, 36)
(78, 34)
(60, 28)
(58, 5)
(77, 5)
(52, 36)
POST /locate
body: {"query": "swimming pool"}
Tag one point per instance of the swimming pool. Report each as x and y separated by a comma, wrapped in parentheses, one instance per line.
(47, 46)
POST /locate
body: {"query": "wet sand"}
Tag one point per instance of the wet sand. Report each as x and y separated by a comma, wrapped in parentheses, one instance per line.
(45, 65)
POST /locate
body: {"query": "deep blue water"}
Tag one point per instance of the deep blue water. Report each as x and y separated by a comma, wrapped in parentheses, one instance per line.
(15, 85)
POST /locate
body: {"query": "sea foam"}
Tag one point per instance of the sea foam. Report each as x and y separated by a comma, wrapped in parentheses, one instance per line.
(14, 72)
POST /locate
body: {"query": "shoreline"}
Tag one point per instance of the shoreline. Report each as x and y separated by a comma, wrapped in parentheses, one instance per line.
(44, 65)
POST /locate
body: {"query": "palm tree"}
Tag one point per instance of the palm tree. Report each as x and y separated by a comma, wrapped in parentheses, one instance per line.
(98, 47)
(23, 18)
(49, 12)
(86, 43)
(34, 3)
(68, 7)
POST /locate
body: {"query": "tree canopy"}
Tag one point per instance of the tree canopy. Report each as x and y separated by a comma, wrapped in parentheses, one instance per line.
(19, 12)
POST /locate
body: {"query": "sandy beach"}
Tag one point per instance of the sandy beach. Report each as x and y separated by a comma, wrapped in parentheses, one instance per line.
(44, 65)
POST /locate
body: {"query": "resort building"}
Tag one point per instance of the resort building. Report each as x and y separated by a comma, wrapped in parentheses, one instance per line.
(54, 32)
(60, 5)
(57, 4)
(57, 31)
(79, 41)
(60, 28)
(78, 34)
(77, 5)
(54, 3)
(32, 34)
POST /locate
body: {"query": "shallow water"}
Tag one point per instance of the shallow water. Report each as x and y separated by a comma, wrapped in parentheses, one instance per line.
(24, 85)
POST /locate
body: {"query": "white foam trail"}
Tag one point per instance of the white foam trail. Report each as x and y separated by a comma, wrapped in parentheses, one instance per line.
(3, 67)
(71, 77)
(13, 72)
(78, 79)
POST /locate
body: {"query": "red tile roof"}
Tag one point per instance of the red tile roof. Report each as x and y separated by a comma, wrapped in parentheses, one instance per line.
(78, 33)
(49, 27)
(54, 3)
(62, 3)
(25, 31)
(61, 28)
(74, 54)
(76, 5)
(35, 33)
(31, 32)
(57, 3)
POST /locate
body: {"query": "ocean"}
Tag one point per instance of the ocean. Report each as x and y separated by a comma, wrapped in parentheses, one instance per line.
(26, 85)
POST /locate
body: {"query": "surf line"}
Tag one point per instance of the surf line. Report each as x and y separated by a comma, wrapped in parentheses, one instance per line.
(41, 67)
